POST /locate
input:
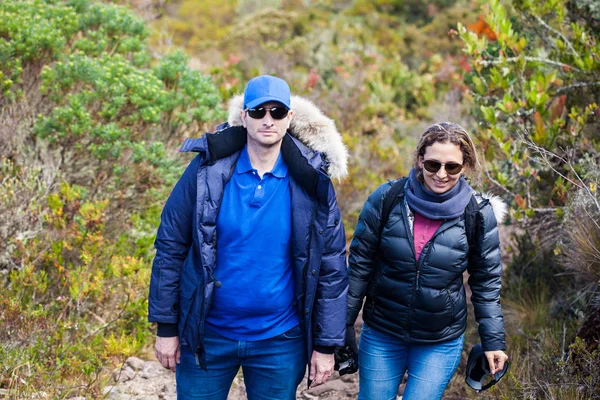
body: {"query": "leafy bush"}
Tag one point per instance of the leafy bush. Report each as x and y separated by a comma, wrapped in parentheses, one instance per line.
(409, 10)
(537, 91)
(88, 123)
(197, 26)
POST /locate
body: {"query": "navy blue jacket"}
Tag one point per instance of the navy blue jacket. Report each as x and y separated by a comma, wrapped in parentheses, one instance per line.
(182, 282)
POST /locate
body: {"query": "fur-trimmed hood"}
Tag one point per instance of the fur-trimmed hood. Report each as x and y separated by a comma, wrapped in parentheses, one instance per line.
(498, 206)
(313, 128)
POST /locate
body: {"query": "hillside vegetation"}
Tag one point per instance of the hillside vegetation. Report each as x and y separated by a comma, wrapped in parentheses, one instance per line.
(95, 101)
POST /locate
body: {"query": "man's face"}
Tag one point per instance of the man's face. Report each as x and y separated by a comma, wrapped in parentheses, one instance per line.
(266, 131)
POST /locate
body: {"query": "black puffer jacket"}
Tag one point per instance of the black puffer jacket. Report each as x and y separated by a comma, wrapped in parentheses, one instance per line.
(425, 301)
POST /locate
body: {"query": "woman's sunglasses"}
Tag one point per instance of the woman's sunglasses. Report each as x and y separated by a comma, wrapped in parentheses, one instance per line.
(434, 166)
(276, 112)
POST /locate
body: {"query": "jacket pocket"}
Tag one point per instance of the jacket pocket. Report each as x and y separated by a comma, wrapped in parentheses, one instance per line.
(335, 241)
(334, 218)
(187, 307)
(452, 306)
(431, 312)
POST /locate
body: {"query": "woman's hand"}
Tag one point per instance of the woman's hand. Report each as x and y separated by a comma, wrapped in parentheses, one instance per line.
(496, 360)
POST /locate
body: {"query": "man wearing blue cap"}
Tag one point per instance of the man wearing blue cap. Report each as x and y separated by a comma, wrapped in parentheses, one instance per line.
(250, 266)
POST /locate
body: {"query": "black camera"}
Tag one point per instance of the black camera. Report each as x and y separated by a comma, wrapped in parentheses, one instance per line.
(346, 360)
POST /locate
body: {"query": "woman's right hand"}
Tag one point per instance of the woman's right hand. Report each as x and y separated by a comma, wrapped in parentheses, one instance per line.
(167, 351)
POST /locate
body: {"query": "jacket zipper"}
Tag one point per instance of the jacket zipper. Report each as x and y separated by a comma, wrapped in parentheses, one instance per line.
(419, 264)
(415, 287)
(412, 246)
(203, 313)
(305, 269)
(451, 305)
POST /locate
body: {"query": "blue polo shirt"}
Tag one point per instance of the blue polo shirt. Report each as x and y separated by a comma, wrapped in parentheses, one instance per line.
(254, 263)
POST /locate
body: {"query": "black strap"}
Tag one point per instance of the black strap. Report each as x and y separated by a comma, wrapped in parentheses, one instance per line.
(471, 215)
(393, 196)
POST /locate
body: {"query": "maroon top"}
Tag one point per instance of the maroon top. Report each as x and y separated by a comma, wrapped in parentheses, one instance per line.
(424, 229)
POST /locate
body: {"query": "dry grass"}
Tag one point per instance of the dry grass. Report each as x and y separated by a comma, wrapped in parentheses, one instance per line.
(582, 251)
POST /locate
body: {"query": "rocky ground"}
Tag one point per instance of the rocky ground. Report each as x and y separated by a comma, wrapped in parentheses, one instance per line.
(148, 380)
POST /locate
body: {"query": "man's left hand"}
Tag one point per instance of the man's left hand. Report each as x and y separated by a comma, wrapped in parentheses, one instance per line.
(321, 368)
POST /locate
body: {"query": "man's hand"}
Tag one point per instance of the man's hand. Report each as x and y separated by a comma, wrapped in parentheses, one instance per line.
(496, 360)
(321, 368)
(167, 351)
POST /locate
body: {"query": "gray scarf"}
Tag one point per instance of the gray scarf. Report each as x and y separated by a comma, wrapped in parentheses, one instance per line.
(450, 204)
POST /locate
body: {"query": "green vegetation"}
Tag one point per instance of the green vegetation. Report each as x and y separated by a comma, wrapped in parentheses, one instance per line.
(89, 123)
(536, 90)
(95, 101)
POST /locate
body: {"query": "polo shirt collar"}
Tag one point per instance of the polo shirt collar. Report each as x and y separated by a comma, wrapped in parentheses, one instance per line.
(280, 169)
(243, 163)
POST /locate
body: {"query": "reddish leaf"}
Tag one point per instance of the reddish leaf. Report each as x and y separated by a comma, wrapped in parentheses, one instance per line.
(313, 78)
(557, 107)
(521, 202)
(482, 28)
(540, 130)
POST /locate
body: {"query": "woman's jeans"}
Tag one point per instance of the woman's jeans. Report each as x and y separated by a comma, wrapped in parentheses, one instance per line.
(383, 360)
(273, 368)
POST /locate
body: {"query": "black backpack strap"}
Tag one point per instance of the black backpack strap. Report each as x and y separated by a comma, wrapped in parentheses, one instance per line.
(390, 201)
(472, 217)
(471, 212)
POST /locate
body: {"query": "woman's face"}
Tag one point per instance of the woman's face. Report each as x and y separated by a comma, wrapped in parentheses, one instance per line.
(445, 153)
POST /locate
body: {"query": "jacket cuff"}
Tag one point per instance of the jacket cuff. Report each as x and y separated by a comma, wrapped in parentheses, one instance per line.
(490, 347)
(166, 330)
(324, 349)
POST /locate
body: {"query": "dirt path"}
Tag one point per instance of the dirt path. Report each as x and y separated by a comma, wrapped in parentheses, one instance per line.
(148, 380)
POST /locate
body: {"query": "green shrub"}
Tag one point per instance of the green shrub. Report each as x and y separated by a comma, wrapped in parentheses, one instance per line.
(89, 124)
(537, 93)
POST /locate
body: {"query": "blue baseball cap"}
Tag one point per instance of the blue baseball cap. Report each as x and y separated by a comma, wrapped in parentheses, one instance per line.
(265, 88)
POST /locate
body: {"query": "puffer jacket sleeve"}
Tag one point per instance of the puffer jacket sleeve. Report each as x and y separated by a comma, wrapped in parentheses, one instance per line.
(363, 250)
(332, 287)
(485, 269)
(173, 242)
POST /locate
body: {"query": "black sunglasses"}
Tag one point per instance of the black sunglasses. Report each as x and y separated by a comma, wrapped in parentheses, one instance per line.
(276, 112)
(434, 166)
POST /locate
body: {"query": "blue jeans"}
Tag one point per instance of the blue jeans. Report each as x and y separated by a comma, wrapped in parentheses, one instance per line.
(383, 360)
(273, 368)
